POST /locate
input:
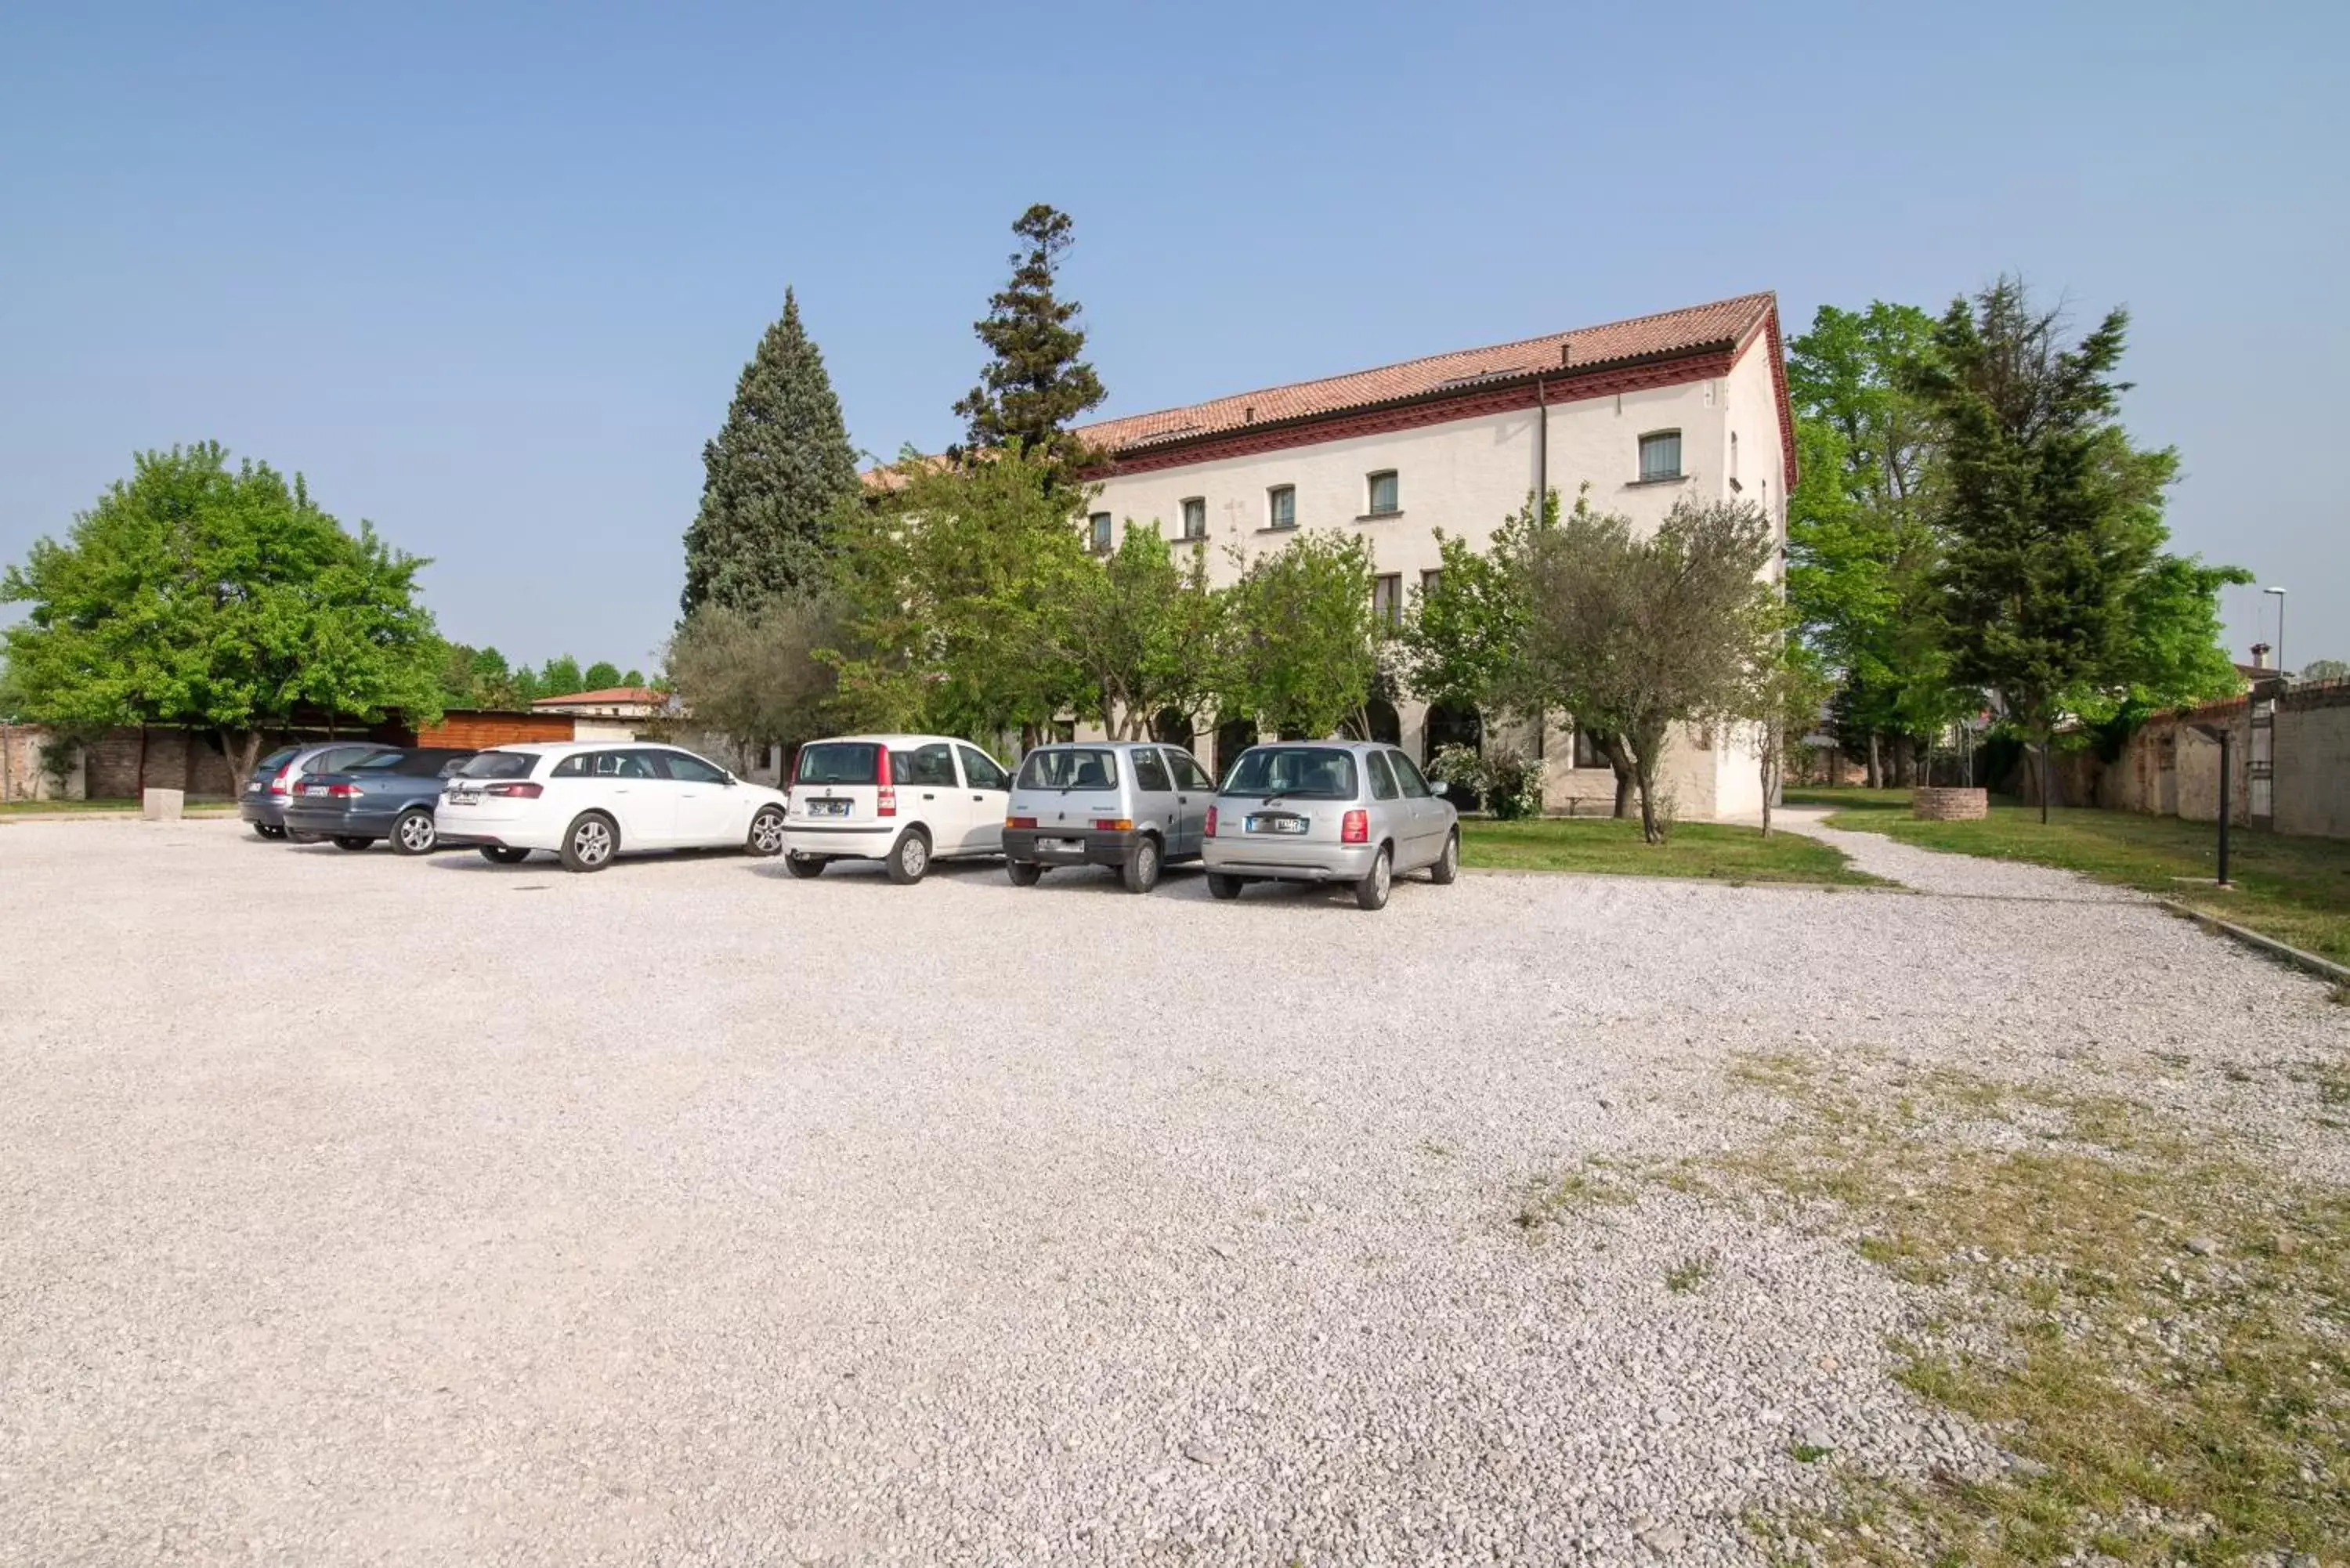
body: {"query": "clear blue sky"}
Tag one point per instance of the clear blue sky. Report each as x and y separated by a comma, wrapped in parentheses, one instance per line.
(488, 273)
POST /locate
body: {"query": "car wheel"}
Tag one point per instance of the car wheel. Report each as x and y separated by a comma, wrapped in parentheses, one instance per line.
(1142, 873)
(1448, 865)
(804, 866)
(590, 841)
(347, 841)
(503, 854)
(1224, 887)
(767, 832)
(909, 856)
(415, 833)
(1371, 892)
(1024, 872)
(262, 830)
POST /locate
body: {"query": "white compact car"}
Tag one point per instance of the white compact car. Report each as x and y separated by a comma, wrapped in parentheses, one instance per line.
(903, 800)
(589, 801)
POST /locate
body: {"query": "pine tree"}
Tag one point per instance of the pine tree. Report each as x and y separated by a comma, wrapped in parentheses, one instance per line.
(779, 465)
(1036, 383)
(2052, 517)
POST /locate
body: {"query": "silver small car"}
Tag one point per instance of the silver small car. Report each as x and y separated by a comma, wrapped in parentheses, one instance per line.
(1329, 810)
(1131, 806)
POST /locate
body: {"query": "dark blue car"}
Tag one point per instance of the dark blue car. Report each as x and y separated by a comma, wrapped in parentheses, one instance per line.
(388, 793)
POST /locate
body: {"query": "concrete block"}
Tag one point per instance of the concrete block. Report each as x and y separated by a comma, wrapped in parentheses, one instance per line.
(162, 804)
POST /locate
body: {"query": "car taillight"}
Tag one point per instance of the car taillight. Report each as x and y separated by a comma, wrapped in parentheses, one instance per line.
(1019, 821)
(1113, 823)
(1212, 822)
(1355, 827)
(885, 803)
(281, 783)
(513, 791)
(343, 791)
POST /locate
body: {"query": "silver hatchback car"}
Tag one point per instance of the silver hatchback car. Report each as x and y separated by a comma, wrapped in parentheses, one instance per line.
(1329, 810)
(1131, 806)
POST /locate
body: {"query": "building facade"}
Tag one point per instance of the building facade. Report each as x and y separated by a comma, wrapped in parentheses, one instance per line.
(1685, 405)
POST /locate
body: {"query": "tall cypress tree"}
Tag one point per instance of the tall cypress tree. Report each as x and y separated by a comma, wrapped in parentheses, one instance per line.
(779, 464)
(2052, 516)
(1036, 383)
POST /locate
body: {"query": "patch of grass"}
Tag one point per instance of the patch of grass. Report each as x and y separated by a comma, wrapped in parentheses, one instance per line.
(1713, 850)
(2159, 1328)
(1551, 1199)
(1686, 1275)
(2294, 889)
(195, 808)
(1808, 1453)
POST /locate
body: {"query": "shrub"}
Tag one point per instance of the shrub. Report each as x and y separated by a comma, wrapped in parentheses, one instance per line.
(1509, 784)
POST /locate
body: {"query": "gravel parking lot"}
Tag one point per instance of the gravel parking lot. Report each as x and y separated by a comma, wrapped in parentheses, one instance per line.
(361, 1210)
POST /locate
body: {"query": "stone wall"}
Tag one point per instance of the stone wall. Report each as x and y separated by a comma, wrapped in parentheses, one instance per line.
(22, 775)
(2313, 760)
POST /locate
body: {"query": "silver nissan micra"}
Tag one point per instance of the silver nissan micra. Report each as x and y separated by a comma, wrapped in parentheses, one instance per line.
(1328, 811)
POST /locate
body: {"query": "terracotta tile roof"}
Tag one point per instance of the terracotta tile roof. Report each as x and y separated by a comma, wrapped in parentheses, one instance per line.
(1727, 321)
(608, 696)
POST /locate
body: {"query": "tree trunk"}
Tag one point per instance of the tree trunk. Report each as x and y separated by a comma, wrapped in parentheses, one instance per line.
(2047, 778)
(1875, 766)
(1619, 762)
(1647, 752)
(1769, 772)
(140, 788)
(243, 748)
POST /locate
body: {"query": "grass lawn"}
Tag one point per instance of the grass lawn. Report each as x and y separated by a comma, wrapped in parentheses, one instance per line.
(103, 807)
(1705, 849)
(2294, 889)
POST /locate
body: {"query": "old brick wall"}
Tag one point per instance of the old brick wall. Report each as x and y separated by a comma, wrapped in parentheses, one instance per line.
(2313, 760)
(21, 776)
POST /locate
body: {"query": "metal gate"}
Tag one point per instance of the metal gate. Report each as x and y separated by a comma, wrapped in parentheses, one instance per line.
(2261, 764)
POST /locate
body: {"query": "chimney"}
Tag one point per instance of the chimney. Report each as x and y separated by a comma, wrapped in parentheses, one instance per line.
(1567, 353)
(2260, 656)
(1248, 414)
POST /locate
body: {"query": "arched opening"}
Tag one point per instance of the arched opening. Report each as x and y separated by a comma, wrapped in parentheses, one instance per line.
(1172, 727)
(1386, 723)
(1232, 737)
(1453, 724)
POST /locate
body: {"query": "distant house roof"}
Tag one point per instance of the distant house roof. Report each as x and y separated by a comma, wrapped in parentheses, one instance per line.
(1725, 324)
(609, 696)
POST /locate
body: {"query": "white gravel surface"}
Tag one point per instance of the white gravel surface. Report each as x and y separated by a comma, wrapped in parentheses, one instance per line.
(359, 1209)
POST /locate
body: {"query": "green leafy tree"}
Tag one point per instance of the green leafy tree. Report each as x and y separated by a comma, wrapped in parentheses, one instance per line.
(1301, 643)
(525, 688)
(1784, 696)
(757, 675)
(1144, 629)
(220, 599)
(15, 706)
(633, 678)
(1635, 635)
(1862, 539)
(778, 467)
(2056, 595)
(957, 585)
(1036, 382)
(2316, 670)
(560, 677)
(601, 676)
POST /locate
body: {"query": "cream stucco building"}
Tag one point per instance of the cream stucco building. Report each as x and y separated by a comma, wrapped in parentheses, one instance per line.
(1688, 403)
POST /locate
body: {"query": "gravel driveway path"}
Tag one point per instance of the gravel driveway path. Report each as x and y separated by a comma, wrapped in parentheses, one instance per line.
(355, 1209)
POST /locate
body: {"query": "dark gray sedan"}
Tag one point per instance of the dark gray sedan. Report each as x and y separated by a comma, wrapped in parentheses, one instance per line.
(388, 793)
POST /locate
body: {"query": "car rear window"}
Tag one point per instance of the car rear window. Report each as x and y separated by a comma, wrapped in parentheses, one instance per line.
(500, 766)
(1069, 767)
(276, 759)
(839, 763)
(379, 762)
(1305, 773)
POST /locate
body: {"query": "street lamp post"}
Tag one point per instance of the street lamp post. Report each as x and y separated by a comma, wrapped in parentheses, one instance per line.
(2283, 670)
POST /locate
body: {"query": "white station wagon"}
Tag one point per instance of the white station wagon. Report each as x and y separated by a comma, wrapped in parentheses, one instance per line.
(903, 800)
(589, 801)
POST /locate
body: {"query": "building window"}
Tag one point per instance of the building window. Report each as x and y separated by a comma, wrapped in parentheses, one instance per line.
(1281, 506)
(1431, 582)
(1099, 526)
(1195, 518)
(1587, 753)
(1386, 496)
(1387, 600)
(1660, 456)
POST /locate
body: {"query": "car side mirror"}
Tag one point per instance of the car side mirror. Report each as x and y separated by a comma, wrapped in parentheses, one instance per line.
(729, 780)
(1438, 787)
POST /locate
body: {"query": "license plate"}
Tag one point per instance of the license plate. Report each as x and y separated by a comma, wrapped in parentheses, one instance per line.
(463, 796)
(253, 788)
(827, 808)
(1060, 847)
(1276, 823)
